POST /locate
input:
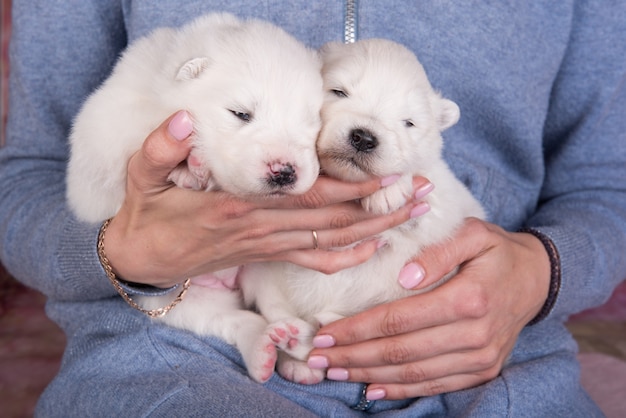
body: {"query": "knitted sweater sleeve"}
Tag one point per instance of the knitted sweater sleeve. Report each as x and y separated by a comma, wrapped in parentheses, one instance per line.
(56, 61)
(582, 206)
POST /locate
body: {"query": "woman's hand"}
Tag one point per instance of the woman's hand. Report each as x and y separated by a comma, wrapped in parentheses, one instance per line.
(456, 336)
(163, 234)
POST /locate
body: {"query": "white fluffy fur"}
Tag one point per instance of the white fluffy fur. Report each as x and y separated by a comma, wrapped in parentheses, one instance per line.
(218, 68)
(379, 87)
(212, 67)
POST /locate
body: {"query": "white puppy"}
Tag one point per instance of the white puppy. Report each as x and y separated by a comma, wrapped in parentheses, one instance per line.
(380, 117)
(254, 93)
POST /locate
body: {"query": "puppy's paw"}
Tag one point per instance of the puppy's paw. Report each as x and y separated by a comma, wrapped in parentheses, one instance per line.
(182, 177)
(261, 359)
(293, 336)
(389, 198)
(191, 174)
(298, 371)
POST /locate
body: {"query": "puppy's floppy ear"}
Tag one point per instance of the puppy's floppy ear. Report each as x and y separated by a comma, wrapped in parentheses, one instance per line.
(447, 112)
(193, 68)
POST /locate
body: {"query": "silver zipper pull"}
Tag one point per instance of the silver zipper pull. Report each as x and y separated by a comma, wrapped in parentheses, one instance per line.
(350, 22)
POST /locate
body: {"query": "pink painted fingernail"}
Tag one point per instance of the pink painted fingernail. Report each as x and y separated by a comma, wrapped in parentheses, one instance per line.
(375, 394)
(389, 180)
(337, 374)
(181, 126)
(323, 341)
(411, 275)
(419, 209)
(423, 190)
(317, 362)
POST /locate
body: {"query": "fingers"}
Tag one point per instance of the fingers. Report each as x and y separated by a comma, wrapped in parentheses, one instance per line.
(442, 374)
(161, 152)
(329, 262)
(426, 388)
(336, 250)
(401, 349)
(422, 364)
(337, 226)
(408, 314)
(420, 377)
(327, 191)
(428, 361)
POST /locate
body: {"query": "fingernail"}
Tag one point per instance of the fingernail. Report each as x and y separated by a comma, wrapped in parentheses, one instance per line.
(419, 209)
(317, 362)
(323, 341)
(181, 126)
(337, 374)
(381, 243)
(386, 181)
(411, 275)
(423, 190)
(375, 394)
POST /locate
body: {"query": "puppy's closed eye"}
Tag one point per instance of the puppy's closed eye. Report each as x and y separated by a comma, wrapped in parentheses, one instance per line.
(408, 123)
(339, 93)
(244, 116)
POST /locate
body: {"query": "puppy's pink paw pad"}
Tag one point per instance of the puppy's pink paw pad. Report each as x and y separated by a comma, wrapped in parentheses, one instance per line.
(293, 336)
(261, 365)
(281, 337)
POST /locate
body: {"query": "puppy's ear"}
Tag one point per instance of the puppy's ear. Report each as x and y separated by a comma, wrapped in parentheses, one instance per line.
(447, 113)
(192, 69)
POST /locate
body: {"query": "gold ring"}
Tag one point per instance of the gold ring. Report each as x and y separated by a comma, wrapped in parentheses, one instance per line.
(315, 242)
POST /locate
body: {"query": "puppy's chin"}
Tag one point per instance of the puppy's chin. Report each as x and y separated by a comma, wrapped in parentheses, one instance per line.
(343, 168)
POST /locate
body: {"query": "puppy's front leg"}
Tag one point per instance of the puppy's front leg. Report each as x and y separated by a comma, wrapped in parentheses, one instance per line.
(191, 174)
(389, 198)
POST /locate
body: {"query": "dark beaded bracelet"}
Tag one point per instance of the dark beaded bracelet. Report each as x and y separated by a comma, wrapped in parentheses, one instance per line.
(555, 274)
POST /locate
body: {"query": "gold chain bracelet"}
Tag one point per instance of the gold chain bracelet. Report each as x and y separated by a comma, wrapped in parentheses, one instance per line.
(153, 313)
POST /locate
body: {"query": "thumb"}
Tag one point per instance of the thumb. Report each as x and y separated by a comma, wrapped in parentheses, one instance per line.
(436, 261)
(164, 149)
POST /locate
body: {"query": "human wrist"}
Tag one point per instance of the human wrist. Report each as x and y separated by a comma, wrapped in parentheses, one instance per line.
(122, 287)
(555, 274)
(126, 263)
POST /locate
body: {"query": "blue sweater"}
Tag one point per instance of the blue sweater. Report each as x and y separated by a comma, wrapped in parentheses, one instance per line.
(541, 141)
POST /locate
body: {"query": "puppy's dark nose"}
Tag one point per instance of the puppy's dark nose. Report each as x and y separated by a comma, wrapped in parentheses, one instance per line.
(363, 140)
(282, 175)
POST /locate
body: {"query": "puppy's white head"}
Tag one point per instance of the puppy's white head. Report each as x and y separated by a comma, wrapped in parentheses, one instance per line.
(380, 115)
(255, 94)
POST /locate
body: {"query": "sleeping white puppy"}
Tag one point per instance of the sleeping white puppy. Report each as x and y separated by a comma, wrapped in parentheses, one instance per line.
(254, 93)
(380, 117)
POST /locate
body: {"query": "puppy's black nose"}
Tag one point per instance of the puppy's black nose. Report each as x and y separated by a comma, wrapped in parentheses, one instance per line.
(283, 175)
(363, 140)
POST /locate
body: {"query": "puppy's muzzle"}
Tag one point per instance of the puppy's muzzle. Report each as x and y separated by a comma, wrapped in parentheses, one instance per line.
(363, 140)
(281, 175)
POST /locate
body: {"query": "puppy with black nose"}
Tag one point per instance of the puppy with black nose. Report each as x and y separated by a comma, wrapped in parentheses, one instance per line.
(380, 117)
(363, 140)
